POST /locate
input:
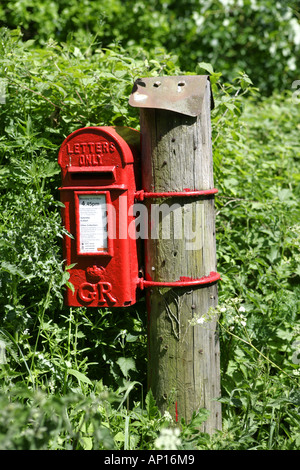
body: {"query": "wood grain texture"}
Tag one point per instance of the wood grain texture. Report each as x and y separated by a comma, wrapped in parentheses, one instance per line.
(183, 359)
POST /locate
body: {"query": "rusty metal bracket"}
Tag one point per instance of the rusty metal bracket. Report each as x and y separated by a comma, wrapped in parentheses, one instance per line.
(183, 94)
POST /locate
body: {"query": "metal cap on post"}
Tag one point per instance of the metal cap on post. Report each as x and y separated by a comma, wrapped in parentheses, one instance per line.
(180, 266)
(181, 94)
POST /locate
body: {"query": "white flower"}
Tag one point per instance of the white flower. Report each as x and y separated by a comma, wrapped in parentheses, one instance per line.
(226, 3)
(214, 42)
(168, 439)
(201, 320)
(2, 352)
(295, 26)
(291, 63)
(254, 5)
(168, 416)
(273, 49)
(242, 309)
(199, 19)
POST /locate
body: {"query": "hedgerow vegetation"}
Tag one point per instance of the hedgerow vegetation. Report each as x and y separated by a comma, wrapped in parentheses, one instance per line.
(75, 378)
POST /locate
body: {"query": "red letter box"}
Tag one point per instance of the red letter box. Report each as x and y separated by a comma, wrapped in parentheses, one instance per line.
(99, 182)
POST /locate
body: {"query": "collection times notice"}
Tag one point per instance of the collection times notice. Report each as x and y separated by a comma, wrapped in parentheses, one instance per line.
(92, 223)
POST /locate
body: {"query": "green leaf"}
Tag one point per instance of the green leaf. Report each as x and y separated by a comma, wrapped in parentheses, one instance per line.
(13, 270)
(127, 387)
(151, 408)
(50, 169)
(206, 66)
(126, 364)
(79, 376)
(199, 418)
(131, 338)
(70, 286)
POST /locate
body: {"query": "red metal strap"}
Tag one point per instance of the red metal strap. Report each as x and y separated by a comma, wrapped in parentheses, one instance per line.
(141, 195)
(183, 281)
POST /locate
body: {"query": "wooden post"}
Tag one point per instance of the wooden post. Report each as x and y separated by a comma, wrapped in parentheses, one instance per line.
(183, 345)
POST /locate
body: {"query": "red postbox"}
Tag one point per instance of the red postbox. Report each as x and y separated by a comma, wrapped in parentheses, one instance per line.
(99, 167)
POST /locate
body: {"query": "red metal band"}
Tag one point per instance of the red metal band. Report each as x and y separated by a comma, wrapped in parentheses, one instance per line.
(183, 281)
(141, 195)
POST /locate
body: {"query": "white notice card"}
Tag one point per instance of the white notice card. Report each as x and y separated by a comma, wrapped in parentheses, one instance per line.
(92, 223)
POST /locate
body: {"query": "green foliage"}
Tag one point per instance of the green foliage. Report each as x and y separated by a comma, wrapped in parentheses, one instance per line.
(258, 250)
(75, 378)
(37, 421)
(259, 36)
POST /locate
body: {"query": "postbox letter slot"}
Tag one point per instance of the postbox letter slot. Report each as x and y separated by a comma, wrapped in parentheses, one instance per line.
(95, 175)
(106, 173)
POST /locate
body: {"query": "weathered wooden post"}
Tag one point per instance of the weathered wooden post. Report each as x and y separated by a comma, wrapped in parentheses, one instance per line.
(180, 247)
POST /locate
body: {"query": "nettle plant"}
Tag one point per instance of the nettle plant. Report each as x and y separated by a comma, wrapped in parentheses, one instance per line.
(49, 93)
